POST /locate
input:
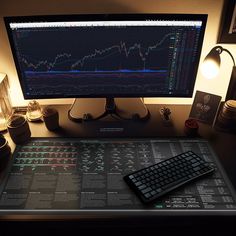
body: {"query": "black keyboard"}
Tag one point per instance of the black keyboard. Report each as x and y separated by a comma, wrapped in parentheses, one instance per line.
(156, 180)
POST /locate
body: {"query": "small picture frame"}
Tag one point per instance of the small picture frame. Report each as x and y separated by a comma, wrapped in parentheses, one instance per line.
(205, 107)
(227, 31)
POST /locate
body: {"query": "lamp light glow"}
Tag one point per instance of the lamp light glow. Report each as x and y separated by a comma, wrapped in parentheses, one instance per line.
(210, 69)
(3, 123)
(211, 64)
(5, 104)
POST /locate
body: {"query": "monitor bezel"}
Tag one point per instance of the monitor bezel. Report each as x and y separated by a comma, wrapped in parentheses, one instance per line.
(104, 17)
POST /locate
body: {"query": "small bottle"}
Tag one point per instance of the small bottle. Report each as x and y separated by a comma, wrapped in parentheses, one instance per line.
(51, 118)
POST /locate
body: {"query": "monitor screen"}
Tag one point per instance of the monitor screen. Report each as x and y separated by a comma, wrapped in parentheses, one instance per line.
(128, 55)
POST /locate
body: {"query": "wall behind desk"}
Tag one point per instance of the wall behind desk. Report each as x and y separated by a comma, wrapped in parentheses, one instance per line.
(42, 7)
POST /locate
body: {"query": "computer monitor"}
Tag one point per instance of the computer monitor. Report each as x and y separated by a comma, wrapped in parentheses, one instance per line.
(107, 55)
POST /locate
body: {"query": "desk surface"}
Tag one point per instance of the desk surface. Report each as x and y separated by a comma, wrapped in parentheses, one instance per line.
(72, 175)
(222, 143)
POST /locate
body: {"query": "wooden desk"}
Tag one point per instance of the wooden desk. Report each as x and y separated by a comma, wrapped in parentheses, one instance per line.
(222, 143)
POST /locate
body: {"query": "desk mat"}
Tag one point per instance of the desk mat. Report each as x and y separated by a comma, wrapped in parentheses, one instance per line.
(61, 173)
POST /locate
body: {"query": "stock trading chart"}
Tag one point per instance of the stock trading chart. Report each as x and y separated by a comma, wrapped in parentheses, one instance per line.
(93, 60)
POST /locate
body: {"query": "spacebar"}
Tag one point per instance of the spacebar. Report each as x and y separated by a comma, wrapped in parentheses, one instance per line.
(173, 184)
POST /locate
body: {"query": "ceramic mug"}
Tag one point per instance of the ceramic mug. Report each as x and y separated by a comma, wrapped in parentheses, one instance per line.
(51, 118)
(5, 149)
(18, 129)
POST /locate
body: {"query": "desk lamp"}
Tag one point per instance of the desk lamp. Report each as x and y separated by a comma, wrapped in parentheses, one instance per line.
(210, 68)
(211, 65)
(5, 103)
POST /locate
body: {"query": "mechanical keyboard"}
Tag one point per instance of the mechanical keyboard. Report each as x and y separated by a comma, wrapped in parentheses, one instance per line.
(156, 180)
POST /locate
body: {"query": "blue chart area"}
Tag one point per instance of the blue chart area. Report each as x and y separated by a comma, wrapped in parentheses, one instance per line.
(101, 81)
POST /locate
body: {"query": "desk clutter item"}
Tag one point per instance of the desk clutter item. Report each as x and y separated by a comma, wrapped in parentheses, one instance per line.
(191, 127)
(34, 112)
(205, 107)
(5, 103)
(87, 174)
(227, 116)
(18, 129)
(3, 118)
(166, 116)
(161, 178)
(5, 149)
(51, 118)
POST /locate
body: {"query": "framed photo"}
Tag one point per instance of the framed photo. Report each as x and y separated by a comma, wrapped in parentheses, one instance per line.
(227, 33)
(205, 107)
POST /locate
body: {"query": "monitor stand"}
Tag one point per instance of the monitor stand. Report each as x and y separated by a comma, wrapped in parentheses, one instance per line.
(89, 109)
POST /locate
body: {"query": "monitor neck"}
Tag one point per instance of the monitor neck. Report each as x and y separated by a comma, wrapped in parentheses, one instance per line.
(110, 106)
(88, 109)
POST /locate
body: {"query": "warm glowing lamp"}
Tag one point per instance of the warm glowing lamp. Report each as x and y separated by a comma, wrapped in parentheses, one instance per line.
(211, 65)
(210, 68)
(5, 104)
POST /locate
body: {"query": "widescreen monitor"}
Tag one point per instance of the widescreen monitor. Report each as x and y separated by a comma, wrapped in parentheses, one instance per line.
(106, 55)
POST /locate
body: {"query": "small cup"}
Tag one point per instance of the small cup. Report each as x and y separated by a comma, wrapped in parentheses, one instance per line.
(18, 129)
(191, 127)
(51, 118)
(5, 149)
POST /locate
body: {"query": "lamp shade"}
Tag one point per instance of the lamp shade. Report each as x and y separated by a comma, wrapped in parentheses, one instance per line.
(211, 64)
